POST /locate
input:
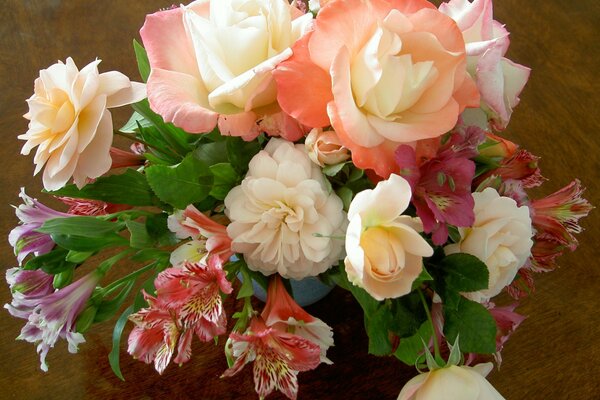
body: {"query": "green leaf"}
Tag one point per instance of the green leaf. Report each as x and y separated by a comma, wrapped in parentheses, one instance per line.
(157, 228)
(240, 153)
(84, 226)
(423, 277)
(407, 315)
(225, 178)
(355, 174)
(475, 325)
(183, 184)
(133, 124)
(410, 348)
(113, 357)
(139, 237)
(63, 278)
(246, 290)
(78, 257)
(212, 153)
(333, 170)
(142, 60)
(377, 329)
(128, 188)
(174, 137)
(465, 273)
(107, 308)
(85, 244)
(345, 194)
(52, 263)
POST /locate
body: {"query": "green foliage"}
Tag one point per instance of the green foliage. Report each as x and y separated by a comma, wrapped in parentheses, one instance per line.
(410, 348)
(142, 60)
(225, 178)
(53, 262)
(128, 188)
(475, 325)
(240, 152)
(113, 357)
(183, 184)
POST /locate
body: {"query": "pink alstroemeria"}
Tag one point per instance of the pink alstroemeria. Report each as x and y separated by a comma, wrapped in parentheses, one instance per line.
(121, 158)
(188, 300)
(192, 223)
(52, 316)
(442, 185)
(556, 221)
(507, 322)
(91, 207)
(278, 357)
(26, 284)
(155, 335)
(24, 239)
(283, 313)
(522, 166)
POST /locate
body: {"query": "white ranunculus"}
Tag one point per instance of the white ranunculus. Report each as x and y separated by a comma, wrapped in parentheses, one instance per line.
(500, 237)
(283, 215)
(69, 121)
(385, 250)
(452, 383)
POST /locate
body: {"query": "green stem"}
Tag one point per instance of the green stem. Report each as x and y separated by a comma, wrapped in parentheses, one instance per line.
(110, 288)
(436, 347)
(133, 138)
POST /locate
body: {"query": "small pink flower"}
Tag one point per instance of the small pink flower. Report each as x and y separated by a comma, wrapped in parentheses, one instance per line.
(283, 313)
(507, 322)
(26, 284)
(91, 207)
(188, 300)
(522, 166)
(278, 357)
(121, 158)
(192, 223)
(155, 336)
(442, 185)
(53, 315)
(24, 239)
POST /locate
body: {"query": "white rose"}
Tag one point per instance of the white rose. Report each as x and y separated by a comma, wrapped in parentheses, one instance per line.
(69, 121)
(283, 216)
(385, 250)
(452, 383)
(500, 237)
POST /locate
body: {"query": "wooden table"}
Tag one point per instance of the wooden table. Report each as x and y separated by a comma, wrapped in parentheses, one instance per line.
(555, 353)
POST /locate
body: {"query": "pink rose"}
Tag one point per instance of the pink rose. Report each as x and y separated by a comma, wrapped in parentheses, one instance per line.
(382, 73)
(211, 62)
(499, 80)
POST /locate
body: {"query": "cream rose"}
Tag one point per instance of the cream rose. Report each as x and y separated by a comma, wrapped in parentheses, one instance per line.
(282, 215)
(212, 61)
(325, 148)
(500, 237)
(452, 383)
(384, 249)
(69, 121)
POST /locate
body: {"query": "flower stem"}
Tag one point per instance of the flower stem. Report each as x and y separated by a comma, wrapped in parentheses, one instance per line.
(436, 347)
(111, 287)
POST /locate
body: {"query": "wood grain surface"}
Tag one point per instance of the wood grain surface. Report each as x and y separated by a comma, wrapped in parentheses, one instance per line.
(555, 353)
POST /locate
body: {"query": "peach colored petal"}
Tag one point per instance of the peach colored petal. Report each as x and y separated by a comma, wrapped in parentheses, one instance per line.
(242, 125)
(379, 158)
(307, 102)
(165, 30)
(178, 98)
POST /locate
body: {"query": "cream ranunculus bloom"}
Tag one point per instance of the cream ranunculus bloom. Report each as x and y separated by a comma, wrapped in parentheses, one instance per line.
(281, 211)
(69, 121)
(452, 383)
(384, 249)
(500, 237)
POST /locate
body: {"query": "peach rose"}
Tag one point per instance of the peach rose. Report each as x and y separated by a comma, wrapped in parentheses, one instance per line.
(211, 62)
(452, 383)
(384, 249)
(382, 73)
(70, 123)
(500, 237)
(499, 80)
(325, 148)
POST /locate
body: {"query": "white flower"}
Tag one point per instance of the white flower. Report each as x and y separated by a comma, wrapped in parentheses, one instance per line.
(500, 237)
(282, 215)
(452, 383)
(385, 250)
(69, 121)
(325, 148)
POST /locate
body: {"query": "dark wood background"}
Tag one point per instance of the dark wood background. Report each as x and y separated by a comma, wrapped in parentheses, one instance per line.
(554, 355)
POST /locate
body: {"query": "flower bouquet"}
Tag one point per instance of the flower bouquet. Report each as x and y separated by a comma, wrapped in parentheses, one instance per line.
(345, 142)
